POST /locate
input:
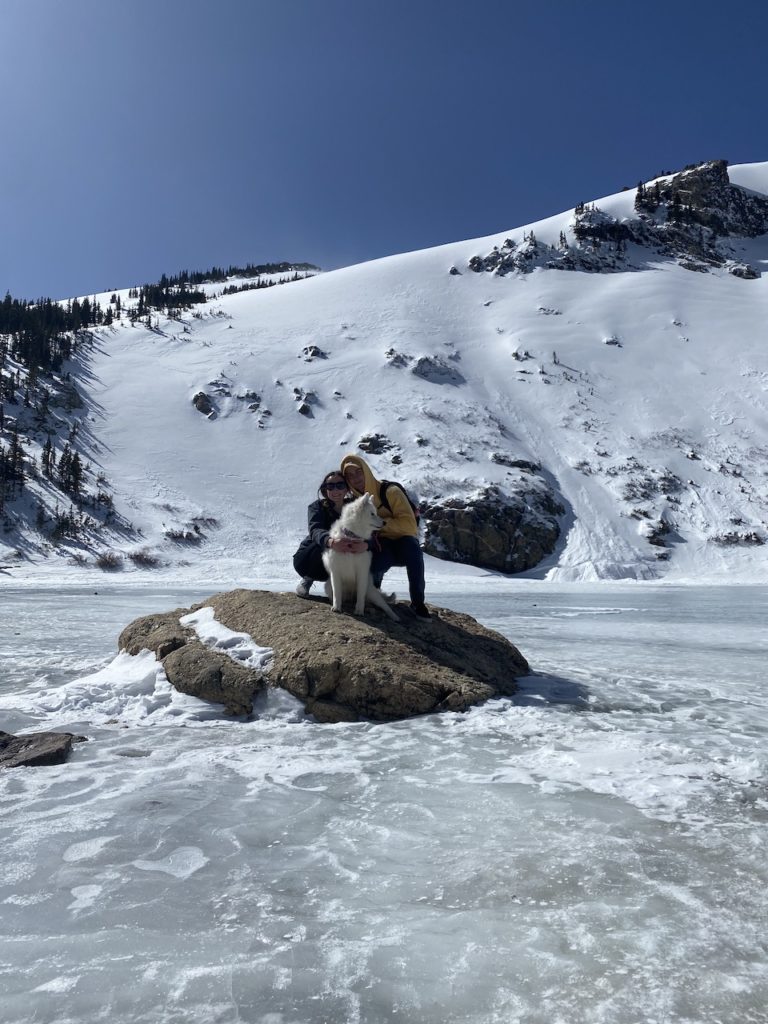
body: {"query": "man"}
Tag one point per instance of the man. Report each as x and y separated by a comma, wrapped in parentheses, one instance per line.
(398, 538)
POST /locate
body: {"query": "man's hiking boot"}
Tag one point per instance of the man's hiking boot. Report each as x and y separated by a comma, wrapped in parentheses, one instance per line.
(303, 588)
(421, 610)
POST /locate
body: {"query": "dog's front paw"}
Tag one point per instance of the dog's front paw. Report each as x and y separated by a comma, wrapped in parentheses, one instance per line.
(334, 609)
(360, 611)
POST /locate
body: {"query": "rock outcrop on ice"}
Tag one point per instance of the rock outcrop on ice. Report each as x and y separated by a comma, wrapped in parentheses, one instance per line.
(340, 667)
(36, 749)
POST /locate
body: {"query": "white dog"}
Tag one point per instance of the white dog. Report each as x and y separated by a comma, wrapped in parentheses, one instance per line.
(351, 574)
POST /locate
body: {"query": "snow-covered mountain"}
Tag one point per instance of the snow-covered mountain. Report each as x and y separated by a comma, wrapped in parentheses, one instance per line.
(614, 355)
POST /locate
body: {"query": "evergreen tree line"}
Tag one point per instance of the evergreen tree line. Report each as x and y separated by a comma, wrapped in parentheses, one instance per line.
(41, 332)
(233, 289)
(67, 471)
(215, 274)
(164, 295)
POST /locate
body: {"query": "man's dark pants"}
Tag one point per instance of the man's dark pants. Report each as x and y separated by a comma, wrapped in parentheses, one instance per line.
(403, 551)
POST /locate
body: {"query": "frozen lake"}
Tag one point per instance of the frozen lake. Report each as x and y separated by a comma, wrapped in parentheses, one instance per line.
(593, 850)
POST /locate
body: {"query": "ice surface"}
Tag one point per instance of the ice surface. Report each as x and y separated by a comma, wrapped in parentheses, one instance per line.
(591, 850)
(181, 863)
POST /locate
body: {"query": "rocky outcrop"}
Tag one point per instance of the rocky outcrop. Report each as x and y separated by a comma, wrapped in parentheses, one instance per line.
(341, 667)
(437, 371)
(203, 404)
(493, 530)
(310, 352)
(375, 444)
(690, 217)
(36, 748)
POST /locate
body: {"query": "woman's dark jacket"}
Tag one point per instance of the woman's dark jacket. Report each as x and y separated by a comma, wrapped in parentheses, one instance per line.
(308, 560)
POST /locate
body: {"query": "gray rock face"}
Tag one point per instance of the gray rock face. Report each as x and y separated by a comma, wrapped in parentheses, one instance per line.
(492, 530)
(36, 748)
(342, 668)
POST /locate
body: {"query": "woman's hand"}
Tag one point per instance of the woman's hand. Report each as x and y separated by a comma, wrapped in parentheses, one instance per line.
(348, 545)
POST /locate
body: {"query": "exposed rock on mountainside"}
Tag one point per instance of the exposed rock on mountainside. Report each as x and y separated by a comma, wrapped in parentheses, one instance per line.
(375, 444)
(36, 748)
(342, 668)
(494, 531)
(203, 403)
(436, 370)
(688, 217)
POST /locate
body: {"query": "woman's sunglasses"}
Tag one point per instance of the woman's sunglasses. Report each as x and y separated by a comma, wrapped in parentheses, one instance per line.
(336, 486)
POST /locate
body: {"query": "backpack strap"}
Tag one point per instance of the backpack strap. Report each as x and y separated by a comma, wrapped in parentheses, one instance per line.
(384, 485)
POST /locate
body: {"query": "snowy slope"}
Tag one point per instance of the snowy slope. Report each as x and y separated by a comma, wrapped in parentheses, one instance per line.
(644, 400)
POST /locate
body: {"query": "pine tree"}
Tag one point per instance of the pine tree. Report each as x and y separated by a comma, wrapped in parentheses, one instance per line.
(15, 460)
(65, 462)
(676, 209)
(75, 474)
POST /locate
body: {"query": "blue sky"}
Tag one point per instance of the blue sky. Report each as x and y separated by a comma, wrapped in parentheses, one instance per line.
(148, 136)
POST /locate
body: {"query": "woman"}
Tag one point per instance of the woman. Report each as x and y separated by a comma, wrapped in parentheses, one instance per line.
(321, 515)
(398, 539)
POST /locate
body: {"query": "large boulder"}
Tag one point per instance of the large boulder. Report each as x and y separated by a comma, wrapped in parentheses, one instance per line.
(36, 748)
(494, 530)
(341, 667)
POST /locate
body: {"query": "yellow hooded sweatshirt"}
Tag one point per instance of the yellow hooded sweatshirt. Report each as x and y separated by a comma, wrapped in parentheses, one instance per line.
(400, 521)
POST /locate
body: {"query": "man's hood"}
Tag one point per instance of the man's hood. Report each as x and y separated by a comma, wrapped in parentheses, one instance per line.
(371, 483)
